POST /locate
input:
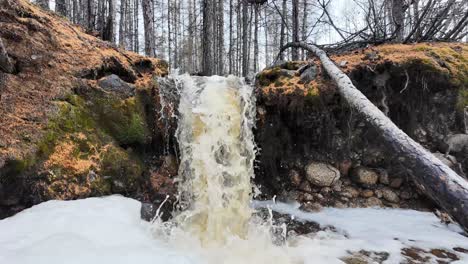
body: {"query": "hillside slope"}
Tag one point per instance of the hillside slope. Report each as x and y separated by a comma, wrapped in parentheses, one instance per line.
(75, 113)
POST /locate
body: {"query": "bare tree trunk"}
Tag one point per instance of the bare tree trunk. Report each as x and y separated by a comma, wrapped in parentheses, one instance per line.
(220, 37)
(304, 26)
(91, 16)
(435, 179)
(245, 38)
(255, 62)
(44, 4)
(295, 28)
(231, 37)
(207, 44)
(61, 7)
(148, 21)
(122, 22)
(191, 37)
(136, 41)
(283, 28)
(398, 17)
(108, 31)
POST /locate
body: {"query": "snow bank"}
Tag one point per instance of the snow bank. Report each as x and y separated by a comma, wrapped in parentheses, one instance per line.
(109, 230)
(91, 231)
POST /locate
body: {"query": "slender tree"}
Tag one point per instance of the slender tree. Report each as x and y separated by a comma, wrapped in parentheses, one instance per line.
(148, 21)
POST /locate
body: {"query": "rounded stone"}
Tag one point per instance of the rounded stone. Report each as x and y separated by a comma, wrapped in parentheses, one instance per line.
(390, 196)
(367, 193)
(365, 176)
(321, 174)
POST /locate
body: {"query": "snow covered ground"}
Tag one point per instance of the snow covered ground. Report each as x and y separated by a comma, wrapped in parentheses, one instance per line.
(109, 230)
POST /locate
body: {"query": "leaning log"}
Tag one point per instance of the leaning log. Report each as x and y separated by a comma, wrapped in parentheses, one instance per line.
(435, 179)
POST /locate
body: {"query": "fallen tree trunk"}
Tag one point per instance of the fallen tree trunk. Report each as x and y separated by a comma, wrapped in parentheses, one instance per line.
(435, 179)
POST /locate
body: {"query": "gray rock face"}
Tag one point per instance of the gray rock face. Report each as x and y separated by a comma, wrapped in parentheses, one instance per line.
(113, 83)
(457, 143)
(390, 195)
(309, 74)
(321, 174)
(365, 176)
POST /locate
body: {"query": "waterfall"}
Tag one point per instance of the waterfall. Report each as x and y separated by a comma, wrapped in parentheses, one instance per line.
(216, 117)
(215, 221)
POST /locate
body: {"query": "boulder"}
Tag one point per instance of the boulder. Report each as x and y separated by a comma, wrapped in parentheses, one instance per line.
(390, 195)
(113, 83)
(396, 183)
(367, 193)
(321, 174)
(365, 176)
(309, 74)
(373, 202)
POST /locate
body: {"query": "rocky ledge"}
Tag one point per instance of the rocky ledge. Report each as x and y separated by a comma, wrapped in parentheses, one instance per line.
(316, 150)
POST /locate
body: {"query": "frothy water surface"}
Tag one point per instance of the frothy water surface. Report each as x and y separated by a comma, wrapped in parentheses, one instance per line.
(217, 151)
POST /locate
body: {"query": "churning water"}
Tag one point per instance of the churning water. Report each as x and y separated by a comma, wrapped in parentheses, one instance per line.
(217, 152)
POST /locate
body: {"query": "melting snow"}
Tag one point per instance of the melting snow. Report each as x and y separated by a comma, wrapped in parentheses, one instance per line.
(109, 230)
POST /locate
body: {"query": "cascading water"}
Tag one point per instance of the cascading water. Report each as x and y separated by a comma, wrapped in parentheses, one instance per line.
(217, 153)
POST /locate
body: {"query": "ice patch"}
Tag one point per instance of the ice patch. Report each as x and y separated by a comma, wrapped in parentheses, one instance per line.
(109, 230)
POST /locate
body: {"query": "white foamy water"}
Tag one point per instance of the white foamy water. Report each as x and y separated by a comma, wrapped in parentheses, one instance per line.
(216, 116)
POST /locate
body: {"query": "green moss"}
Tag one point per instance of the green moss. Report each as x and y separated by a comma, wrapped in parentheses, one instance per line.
(72, 117)
(313, 95)
(121, 165)
(269, 76)
(292, 65)
(124, 119)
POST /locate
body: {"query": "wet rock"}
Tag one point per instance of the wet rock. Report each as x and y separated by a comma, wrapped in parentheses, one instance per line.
(321, 174)
(350, 192)
(365, 176)
(337, 186)
(311, 207)
(162, 202)
(390, 195)
(383, 177)
(113, 83)
(396, 183)
(325, 190)
(305, 186)
(147, 211)
(339, 204)
(373, 202)
(378, 193)
(405, 195)
(295, 177)
(307, 197)
(366, 257)
(367, 193)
